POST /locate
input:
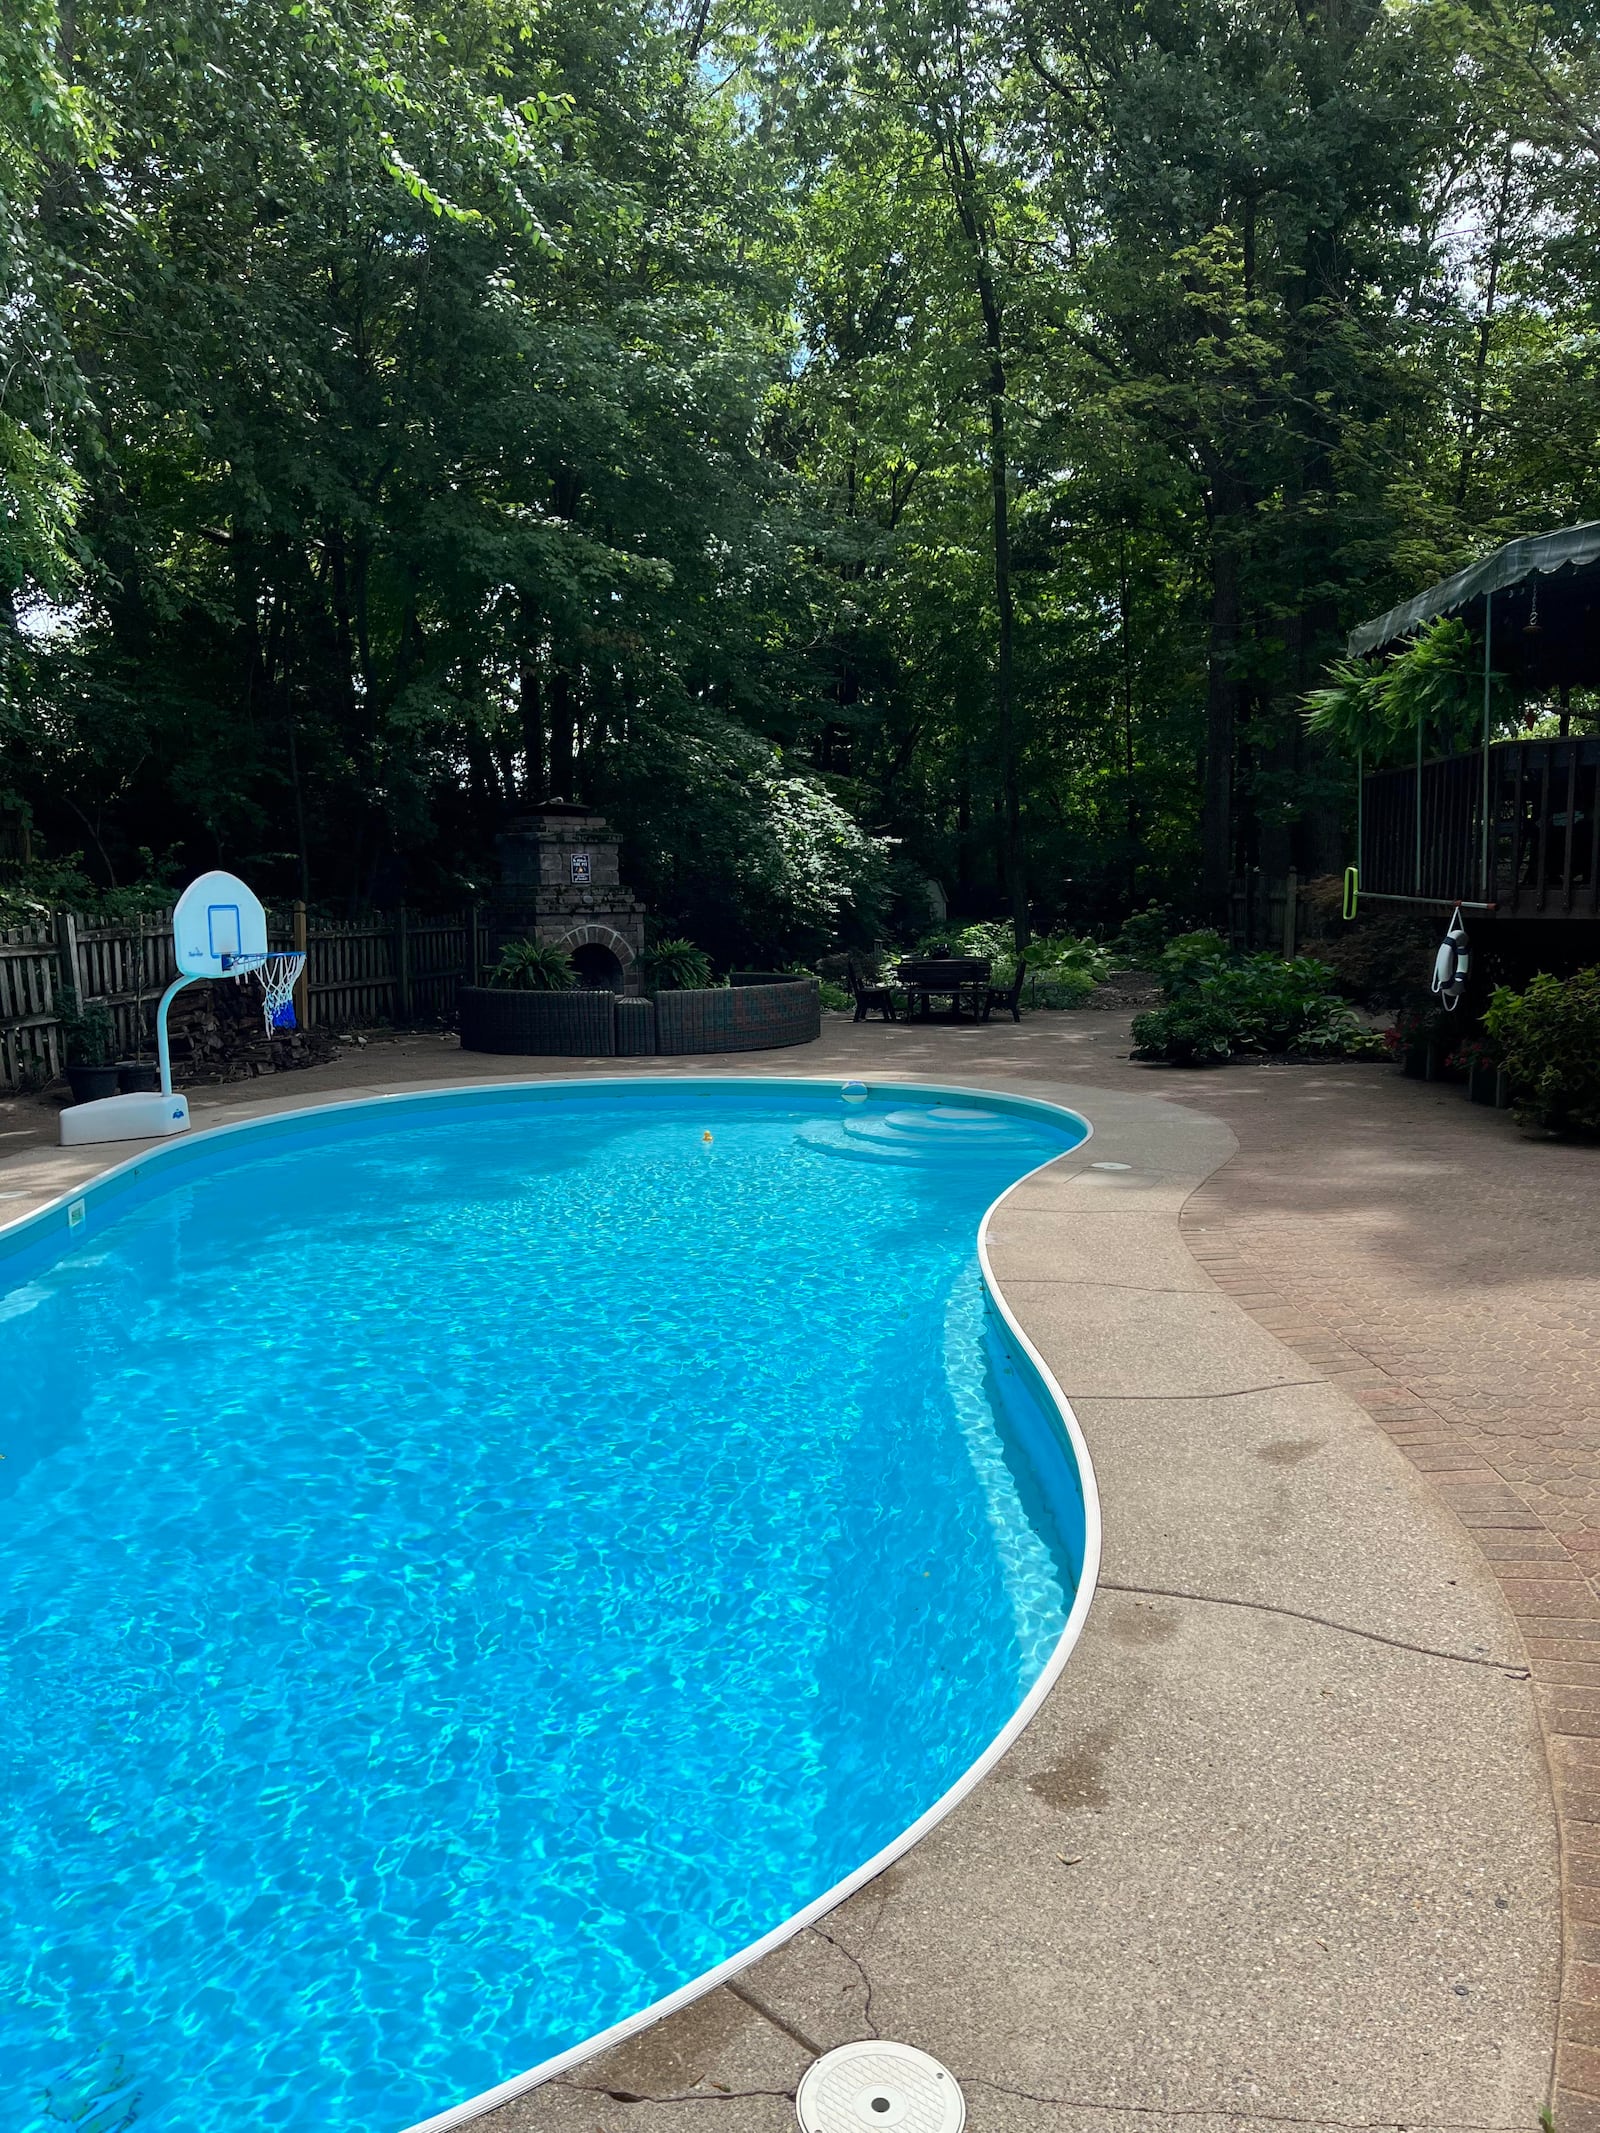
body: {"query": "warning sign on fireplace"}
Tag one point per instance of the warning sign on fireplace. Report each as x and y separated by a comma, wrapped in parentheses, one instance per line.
(580, 866)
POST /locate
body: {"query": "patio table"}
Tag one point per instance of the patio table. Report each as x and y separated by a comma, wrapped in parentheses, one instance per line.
(963, 980)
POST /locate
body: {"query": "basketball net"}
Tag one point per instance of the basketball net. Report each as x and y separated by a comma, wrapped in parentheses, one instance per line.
(277, 975)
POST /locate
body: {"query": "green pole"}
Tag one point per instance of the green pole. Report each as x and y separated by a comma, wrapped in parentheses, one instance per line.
(1488, 638)
(1361, 807)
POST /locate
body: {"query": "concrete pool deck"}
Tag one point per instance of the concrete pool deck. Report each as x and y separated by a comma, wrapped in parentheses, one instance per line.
(1280, 1845)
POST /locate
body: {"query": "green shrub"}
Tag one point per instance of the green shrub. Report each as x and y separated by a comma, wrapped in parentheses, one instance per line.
(1217, 1005)
(676, 966)
(1072, 954)
(992, 937)
(1294, 1004)
(1053, 984)
(30, 889)
(1144, 935)
(1063, 968)
(1194, 1031)
(1191, 956)
(1549, 1040)
(828, 993)
(533, 966)
(1384, 959)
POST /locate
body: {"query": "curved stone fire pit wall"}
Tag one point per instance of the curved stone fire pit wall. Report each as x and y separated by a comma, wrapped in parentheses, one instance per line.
(568, 1025)
(739, 1018)
(756, 1017)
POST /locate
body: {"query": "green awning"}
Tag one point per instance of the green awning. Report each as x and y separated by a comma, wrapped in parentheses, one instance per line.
(1565, 614)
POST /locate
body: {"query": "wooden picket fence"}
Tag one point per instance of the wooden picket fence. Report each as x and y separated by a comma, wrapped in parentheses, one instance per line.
(1264, 911)
(389, 967)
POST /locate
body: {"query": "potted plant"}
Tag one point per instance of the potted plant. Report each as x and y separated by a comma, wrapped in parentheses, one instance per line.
(88, 1034)
(1486, 1076)
(138, 1075)
(532, 966)
(1416, 1043)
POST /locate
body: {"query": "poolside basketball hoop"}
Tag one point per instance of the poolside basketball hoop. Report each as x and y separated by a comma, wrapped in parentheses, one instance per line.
(219, 930)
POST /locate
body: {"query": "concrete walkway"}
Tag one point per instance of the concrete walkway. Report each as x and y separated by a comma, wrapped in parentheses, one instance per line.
(1280, 1846)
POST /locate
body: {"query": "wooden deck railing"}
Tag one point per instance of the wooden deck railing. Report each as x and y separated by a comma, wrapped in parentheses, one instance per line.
(392, 966)
(1422, 831)
(1547, 827)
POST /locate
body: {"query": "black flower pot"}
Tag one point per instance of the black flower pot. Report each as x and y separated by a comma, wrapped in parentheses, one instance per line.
(90, 1083)
(1486, 1084)
(137, 1077)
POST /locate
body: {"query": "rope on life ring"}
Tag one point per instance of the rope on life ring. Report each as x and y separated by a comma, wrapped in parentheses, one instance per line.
(1452, 963)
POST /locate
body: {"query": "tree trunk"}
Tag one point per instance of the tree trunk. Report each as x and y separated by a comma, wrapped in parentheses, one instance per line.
(1130, 795)
(1222, 699)
(345, 634)
(962, 177)
(563, 737)
(1014, 854)
(299, 797)
(1480, 363)
(1005, 709)
(530, 698)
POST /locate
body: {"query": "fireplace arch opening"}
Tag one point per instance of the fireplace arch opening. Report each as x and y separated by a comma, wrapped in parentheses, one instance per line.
(597, 968)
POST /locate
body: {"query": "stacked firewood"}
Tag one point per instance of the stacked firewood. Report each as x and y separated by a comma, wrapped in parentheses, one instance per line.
(217, 1034)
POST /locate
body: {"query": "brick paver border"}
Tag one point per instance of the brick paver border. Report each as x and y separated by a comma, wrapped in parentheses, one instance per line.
(1545, 1587)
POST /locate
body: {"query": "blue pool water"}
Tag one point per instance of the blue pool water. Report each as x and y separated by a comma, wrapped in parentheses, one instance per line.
(469, 1566)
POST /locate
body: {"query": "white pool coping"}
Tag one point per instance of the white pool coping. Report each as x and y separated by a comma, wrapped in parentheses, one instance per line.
(170, 1151)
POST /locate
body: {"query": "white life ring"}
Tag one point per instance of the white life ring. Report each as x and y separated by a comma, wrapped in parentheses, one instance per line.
(1452, 963)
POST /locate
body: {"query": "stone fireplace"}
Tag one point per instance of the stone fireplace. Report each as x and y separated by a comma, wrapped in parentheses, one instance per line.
(559, 883)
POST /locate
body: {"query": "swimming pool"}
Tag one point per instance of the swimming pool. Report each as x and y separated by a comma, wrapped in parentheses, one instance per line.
(471, 1564)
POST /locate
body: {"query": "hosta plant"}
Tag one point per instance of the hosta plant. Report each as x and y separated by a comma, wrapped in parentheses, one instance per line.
(1218, 1005)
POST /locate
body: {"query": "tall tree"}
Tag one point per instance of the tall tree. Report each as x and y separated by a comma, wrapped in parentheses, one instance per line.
(972, 424)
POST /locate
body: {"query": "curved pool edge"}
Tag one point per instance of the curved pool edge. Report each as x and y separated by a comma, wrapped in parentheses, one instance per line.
(173, 1155)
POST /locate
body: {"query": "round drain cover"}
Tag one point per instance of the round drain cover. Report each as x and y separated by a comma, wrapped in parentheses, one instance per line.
(879, 2084)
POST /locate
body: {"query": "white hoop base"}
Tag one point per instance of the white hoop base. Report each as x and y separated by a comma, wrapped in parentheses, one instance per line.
(146, 1115)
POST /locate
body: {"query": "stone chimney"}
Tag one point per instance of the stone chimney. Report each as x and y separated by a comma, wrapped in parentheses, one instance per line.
(559, 883)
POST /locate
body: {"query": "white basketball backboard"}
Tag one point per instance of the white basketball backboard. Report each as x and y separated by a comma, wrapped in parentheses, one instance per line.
(218, 919)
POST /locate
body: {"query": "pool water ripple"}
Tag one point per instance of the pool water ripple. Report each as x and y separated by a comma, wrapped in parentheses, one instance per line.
(467, 1571)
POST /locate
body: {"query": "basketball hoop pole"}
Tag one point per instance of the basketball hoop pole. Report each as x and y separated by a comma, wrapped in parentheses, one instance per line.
(163, 1053)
